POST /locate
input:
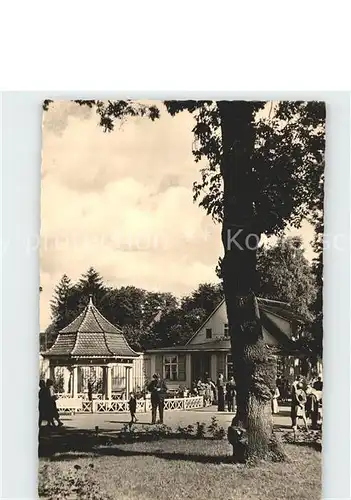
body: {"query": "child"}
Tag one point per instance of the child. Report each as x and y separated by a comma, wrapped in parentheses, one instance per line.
(132, 407)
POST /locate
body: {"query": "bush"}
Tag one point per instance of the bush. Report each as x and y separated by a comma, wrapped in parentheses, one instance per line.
(186, 431)
(304, 437)
(130, 432)
(215, 430)
(200, 430)
(78, 482)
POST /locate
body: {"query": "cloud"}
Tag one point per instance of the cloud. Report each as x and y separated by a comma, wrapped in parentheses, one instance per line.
(122, 202)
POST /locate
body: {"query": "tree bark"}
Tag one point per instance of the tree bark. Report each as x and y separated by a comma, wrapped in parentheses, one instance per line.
(254, 367)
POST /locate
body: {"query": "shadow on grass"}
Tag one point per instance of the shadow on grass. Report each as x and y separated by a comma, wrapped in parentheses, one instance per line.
(126, 422)
(67, 440)
(70, 444)
(118, 452)
(308, 444)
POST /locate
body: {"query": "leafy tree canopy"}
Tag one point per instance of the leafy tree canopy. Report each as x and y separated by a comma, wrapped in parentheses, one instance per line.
(285, 274)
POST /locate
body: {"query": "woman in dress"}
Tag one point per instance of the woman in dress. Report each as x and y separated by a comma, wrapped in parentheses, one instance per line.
(201, 390)
(275, 406)
(298, 408)
(44, 404)
(53, 412)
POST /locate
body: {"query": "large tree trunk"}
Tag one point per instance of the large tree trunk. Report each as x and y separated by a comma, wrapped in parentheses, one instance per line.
(254, 367)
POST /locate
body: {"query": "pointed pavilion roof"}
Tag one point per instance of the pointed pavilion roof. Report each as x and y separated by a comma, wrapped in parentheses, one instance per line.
(91, 335)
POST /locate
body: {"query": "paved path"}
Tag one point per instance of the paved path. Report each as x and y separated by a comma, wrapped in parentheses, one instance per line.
(115, 421)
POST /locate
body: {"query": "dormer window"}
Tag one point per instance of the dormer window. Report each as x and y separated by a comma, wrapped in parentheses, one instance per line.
(208, 333)
(226, 330)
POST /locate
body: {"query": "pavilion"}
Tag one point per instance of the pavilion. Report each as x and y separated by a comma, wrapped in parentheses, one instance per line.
(87, 345)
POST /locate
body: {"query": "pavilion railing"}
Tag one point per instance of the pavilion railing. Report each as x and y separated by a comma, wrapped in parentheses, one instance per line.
(84, 396)
(79, 405)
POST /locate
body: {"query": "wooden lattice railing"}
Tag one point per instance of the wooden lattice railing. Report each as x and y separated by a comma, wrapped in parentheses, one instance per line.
(79, 405)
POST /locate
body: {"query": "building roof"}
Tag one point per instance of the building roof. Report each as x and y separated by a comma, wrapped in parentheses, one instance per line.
(281, 309)
(215, 345)
(91, 335)
(267, 308)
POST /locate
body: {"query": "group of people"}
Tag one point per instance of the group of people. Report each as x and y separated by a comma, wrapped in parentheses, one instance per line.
(226, 393)
(158, 390)
(306, 399)
(223, 392)
(205, 388)
(47, 404)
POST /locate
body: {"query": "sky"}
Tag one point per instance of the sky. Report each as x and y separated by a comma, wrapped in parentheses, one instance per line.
(122, 202)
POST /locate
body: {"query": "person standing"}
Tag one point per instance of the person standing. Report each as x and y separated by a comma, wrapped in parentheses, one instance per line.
(230, 394)
(318, 384)
(293, 392)
(90, 391)
(201, 390)
(312, 406)
(132, 403)
(158, 390)
(211, 387)
(298, 410)
(275, 405)
(295, 385)
(53, 412)
(220, 392)
(44, 405)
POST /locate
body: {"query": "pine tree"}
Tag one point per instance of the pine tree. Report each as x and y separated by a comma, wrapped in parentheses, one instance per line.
(60, 306)
(91, 283)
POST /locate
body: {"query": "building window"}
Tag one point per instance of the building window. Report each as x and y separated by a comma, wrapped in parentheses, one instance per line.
(209, 333)
(226, 330)
(171, 367)
(229, 367)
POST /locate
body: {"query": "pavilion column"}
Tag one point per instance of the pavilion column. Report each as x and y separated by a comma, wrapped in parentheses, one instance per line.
(52, 372)
(74, 382)
(66, 380)
(152, 364)
(108, 382)
(128, 378)
(214, 367)
(188, 369)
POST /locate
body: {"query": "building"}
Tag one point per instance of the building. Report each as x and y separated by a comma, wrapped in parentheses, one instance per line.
(208, 350)
(91, 349)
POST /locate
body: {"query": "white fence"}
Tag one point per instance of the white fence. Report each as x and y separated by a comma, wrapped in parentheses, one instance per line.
(80, 405)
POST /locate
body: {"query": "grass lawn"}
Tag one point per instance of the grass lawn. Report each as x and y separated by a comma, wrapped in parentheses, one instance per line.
(193, 469)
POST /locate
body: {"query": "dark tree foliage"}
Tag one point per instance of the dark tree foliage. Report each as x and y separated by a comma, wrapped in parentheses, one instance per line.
(317, 327)
(109, 111)
(148, 319)
(64, 306)
(175, 327)
(285, 274)
(91, 283)
(206, 297)
(287, 161)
